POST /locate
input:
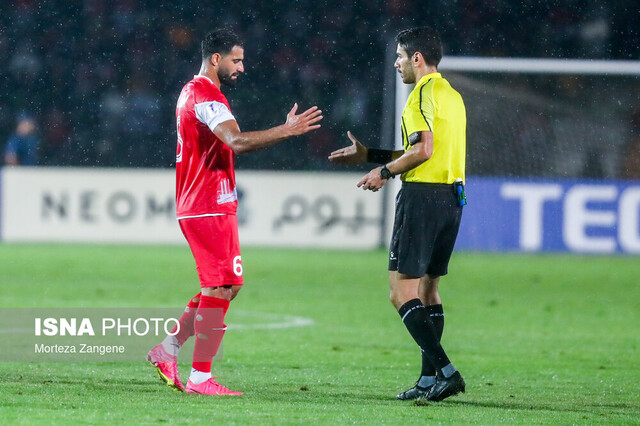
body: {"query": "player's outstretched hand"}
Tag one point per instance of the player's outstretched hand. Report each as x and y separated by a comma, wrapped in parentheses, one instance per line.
(356, 153)
(302, 123)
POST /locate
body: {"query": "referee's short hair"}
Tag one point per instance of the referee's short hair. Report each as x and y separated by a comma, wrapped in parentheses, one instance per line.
(425, 40)
(219, 41)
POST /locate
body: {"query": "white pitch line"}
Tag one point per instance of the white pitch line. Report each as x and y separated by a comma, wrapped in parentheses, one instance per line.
(283, 321)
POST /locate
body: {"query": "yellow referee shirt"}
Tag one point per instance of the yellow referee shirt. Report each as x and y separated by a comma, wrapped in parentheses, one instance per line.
(435, 106)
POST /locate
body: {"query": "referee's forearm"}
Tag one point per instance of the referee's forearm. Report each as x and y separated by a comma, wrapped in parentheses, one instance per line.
(407, 161)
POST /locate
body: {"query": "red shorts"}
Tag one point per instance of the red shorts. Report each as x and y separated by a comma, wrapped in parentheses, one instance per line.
(216, 248)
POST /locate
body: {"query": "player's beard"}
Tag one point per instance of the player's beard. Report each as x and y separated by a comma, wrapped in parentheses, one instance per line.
(227, 78)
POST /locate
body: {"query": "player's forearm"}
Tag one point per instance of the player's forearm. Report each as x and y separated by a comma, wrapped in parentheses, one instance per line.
(241, 142)
(251, 141)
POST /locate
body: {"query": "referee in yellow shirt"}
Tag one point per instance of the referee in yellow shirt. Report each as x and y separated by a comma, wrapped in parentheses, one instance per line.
(429, 205)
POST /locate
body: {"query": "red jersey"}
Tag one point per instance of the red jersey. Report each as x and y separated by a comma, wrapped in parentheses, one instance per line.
(205, 176)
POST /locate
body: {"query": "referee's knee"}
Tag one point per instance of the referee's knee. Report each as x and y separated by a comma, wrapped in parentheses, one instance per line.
(395, 299)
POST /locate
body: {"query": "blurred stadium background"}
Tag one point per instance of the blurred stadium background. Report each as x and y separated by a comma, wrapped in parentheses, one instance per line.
(553, 166)
(99, 81)
(100, 77)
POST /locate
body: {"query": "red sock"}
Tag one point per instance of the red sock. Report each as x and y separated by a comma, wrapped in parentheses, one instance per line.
(209, 329)
(186, 320)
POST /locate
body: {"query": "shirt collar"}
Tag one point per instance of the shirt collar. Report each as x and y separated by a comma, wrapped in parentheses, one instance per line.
(203, 76)
(428, 77)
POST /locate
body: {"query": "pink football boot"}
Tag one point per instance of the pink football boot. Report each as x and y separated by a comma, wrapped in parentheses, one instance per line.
(210, 387)
(167, 367)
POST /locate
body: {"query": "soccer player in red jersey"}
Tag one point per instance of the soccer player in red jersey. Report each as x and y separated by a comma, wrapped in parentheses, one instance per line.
(206, 203)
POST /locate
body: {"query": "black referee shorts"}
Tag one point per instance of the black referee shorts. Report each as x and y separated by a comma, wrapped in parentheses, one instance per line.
(425, 229)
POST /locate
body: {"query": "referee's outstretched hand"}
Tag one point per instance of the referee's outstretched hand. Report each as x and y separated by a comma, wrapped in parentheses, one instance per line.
(356, 153)
(372, 181)
(304, 122)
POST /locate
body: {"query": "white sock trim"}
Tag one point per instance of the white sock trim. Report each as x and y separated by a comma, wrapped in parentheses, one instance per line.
(170, 344)
(198, 377)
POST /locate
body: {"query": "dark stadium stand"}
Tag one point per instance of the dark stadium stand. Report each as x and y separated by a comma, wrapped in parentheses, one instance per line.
(101, 77)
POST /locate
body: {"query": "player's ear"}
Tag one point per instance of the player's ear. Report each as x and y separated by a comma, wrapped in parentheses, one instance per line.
(215, 59)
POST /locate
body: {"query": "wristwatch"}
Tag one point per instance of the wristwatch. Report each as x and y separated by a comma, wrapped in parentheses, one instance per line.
(385, 173)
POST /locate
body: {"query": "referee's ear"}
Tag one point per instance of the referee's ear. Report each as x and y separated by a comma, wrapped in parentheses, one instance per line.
(416, 58)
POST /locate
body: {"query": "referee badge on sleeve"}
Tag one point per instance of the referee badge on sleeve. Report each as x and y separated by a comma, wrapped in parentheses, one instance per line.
(415, 137)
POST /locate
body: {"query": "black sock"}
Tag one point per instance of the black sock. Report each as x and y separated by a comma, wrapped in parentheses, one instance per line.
(416, 319)
(437, 318)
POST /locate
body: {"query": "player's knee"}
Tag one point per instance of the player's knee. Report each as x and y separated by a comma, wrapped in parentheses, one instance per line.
(222, 292)
(234, 291)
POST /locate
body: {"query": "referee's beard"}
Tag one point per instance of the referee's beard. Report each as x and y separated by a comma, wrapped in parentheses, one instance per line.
(408, 76)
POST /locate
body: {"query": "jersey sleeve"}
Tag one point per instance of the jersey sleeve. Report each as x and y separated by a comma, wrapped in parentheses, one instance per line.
(213, 113)
(420, 113)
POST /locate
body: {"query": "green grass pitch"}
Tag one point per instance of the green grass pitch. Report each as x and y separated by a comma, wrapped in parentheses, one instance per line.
(540, 339)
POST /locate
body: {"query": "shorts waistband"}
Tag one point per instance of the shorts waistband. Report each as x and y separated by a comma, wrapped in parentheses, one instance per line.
(428, 186)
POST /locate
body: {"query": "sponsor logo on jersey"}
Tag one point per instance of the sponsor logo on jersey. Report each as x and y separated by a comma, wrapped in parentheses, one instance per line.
(225, 193)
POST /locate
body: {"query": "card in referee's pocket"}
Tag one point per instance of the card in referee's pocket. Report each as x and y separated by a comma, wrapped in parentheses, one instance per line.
(458, 188)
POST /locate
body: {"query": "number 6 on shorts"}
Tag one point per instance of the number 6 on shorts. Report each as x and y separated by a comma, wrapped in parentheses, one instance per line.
(237, 266)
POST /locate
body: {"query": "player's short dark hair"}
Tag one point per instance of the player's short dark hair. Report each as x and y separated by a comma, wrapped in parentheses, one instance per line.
(219, 41)
(425, 40)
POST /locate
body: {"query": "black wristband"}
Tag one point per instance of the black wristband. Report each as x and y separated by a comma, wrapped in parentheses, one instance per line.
(385, 173)
(380, 156)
